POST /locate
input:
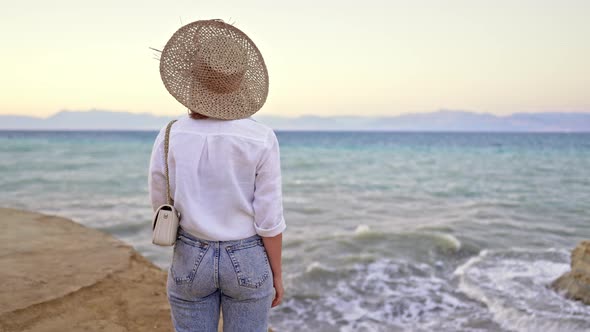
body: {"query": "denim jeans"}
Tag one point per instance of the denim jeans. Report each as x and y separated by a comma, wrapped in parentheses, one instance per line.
(208, 275)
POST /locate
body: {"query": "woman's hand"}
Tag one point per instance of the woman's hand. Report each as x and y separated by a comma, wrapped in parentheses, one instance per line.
(274, 246)
(279, 290)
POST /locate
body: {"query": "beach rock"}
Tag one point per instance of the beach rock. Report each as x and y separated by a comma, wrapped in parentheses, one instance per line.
(58, 275)
(576, 283)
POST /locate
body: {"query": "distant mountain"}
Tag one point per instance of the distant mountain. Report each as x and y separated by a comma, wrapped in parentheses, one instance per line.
(443, 120)
(86, 120)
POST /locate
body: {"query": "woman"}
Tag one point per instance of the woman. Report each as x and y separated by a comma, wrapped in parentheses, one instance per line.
(225, 180)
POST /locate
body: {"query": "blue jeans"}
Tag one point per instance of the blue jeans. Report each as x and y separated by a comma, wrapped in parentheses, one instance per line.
(208, 275)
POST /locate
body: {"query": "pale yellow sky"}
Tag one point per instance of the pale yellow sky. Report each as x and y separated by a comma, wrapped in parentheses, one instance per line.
(324, 57)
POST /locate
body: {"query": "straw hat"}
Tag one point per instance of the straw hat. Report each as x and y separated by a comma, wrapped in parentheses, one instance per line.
(214, 69)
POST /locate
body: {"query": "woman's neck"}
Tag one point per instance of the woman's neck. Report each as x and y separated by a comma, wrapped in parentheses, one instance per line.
(196, 116)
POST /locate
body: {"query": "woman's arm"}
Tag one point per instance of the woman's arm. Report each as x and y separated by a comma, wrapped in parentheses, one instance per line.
(273, 246)
(156, 176)
(268, 210)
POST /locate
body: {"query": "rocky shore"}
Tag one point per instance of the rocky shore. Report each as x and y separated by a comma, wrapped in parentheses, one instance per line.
(576, 283)
(60, 276)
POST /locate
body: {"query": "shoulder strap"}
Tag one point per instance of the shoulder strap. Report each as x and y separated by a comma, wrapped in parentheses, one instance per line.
(166, 143)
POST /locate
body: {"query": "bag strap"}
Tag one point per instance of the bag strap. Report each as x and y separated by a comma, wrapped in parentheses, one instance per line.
(166, 143)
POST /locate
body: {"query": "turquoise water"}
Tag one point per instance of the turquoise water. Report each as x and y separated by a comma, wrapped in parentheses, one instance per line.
(386, 231)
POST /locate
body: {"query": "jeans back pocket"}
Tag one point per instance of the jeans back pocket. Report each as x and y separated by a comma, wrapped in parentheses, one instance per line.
(250, 263)
(186, 259)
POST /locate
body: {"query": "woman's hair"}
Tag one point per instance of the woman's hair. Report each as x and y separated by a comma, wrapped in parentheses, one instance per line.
(195, 115)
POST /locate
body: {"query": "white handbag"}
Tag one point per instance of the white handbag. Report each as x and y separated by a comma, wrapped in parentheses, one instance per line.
(166, 218)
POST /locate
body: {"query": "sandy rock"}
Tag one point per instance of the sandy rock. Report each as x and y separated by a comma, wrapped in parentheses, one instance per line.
(58, 275)
(576, 283)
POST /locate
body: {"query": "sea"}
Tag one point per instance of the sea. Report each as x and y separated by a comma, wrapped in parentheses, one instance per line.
(386, 231)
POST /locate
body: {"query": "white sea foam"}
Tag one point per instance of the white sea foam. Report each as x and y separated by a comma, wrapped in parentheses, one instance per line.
(384, 295)
(450, 240)
(513, 285)
(317, 267)
(362, 229)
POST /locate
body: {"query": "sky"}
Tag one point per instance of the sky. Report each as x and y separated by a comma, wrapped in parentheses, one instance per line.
(330, 57)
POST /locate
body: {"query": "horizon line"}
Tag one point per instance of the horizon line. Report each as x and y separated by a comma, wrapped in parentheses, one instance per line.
(400, 131)
(441, 110)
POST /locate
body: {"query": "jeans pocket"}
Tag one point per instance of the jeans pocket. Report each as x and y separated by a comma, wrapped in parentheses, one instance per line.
(186, 259)
(250, 263)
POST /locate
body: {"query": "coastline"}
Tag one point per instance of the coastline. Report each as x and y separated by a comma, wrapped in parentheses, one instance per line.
(58, 275)
(438, 227)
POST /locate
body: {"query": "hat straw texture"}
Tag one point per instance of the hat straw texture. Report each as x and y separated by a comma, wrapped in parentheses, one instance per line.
(214, 69)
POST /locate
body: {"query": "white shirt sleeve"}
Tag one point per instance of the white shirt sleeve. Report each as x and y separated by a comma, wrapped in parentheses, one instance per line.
(156, 176)
(268, 199)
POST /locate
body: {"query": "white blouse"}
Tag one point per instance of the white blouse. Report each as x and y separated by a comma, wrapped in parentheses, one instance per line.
(225, 178)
